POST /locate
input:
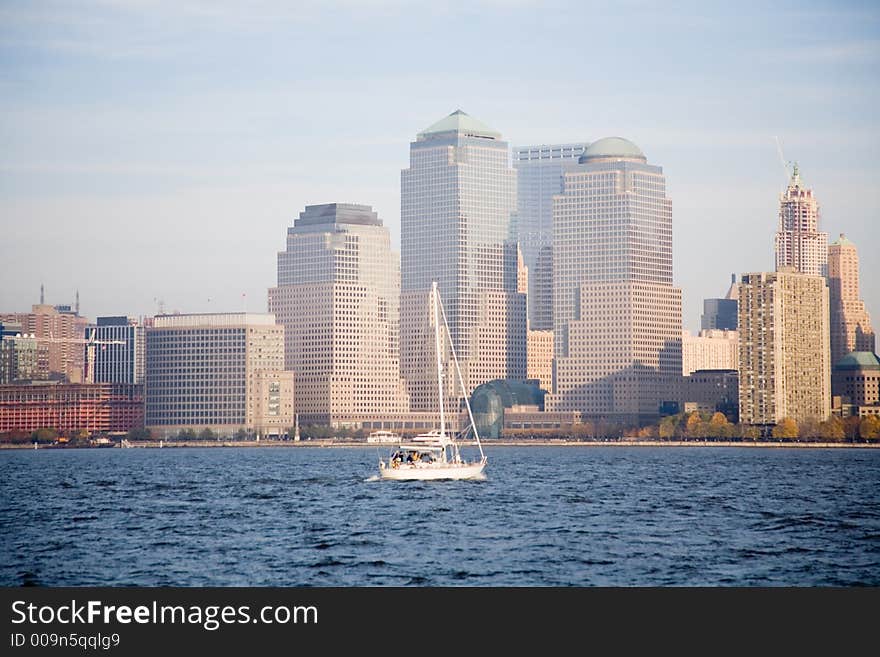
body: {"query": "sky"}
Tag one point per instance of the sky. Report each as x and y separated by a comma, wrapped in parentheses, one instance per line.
(153, 154)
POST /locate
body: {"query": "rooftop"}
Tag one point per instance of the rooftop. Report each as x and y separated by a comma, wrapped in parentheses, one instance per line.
(462, 123)
(613, 148)
(858, 360)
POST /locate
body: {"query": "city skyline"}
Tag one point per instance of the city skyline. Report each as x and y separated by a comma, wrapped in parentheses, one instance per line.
(146, 163)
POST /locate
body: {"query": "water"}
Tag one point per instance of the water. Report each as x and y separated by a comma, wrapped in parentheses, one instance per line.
(545, 516)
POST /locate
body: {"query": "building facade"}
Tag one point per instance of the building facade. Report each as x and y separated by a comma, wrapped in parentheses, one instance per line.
(338, 297)
(114, 351)
(616, 314)
(710, 350)
(222, 372)
(68, 407)
(850, 323)
(60, 333)
(21, 358)
(458, 199)
(856, 378)
(799, 243)
(784, 368)
(720, 314)
(540, 356)
(539, 172)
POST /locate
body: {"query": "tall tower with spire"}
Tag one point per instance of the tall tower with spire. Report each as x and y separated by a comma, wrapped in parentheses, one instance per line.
(799, 243)
(850, 323)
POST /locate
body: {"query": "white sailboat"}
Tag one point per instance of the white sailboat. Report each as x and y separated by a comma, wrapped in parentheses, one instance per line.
(436, 455)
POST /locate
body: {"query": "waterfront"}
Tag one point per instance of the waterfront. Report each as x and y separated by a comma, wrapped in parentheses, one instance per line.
(545, 516)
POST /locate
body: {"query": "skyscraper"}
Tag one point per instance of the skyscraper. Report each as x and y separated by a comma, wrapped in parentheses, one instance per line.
(457, 199)
(720, 314)
(784, 347)
(799, 243)
(539, 172)
(118, 356)
(616, 315)
(850, 323)
(59, 335)
(338, 299)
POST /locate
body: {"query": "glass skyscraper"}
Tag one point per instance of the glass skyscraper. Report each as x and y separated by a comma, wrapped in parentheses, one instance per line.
(539, 172)
(616, 315)
(458, 197)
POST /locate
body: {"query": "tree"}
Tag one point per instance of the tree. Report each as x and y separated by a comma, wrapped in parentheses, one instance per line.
(851, 427)
(666, 430)
(869, 427)
(718, 426)
(45, 435)
(787, 429)
(694, 426)
(832, 429)
(241, 434)
(207, 434)
(139, 433)
(186, 434)
(749, 432)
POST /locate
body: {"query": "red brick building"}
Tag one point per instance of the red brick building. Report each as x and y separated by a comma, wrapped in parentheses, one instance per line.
(67, 407)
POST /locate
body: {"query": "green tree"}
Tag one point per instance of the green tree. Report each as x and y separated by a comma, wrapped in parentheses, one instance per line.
(241, 434)
(869, 427)
(749, 432)
(667, 427)
(207, 434)
(44, 435)
(186, 434)
(139, 433)
(787, 429)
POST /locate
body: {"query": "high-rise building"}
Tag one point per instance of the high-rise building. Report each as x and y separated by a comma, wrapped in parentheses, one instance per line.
(19, 355)
(222, 372)
(457, 200)
(784, 368)
(850, 323)
(799, 243)
(856, 378)
(720, 314)
(60, 337)
(338, 298)
(539, 172)
(114, 351)
(616, 314)
(712, 349)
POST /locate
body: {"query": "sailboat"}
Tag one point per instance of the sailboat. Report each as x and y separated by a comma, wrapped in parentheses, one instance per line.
(436, 455)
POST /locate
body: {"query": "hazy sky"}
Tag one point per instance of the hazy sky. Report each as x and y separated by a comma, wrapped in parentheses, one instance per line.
(159, 150)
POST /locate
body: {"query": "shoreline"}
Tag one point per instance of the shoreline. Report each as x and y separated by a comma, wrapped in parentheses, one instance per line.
(487, 444)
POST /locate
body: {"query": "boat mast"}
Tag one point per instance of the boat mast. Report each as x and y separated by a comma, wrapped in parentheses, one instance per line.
(439, 362)
(464, 391)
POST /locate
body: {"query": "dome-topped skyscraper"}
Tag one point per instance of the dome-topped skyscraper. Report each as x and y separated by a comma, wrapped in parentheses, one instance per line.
(616, 315)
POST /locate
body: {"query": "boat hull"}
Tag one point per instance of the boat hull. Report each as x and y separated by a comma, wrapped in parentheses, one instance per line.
(433, 472)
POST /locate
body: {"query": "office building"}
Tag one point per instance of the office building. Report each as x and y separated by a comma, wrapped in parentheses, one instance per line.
(720, 314)
(711, 349)
(60, 334)
(616, 314)
(222, 372)
(539, 172)
(338, 297)
(114, 351)
(850, 323)
(458, 198)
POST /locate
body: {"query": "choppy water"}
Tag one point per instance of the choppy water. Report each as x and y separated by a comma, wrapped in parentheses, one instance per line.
(615, 516)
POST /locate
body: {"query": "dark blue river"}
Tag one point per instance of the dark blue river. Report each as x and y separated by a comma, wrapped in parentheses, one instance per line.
(545, 516)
